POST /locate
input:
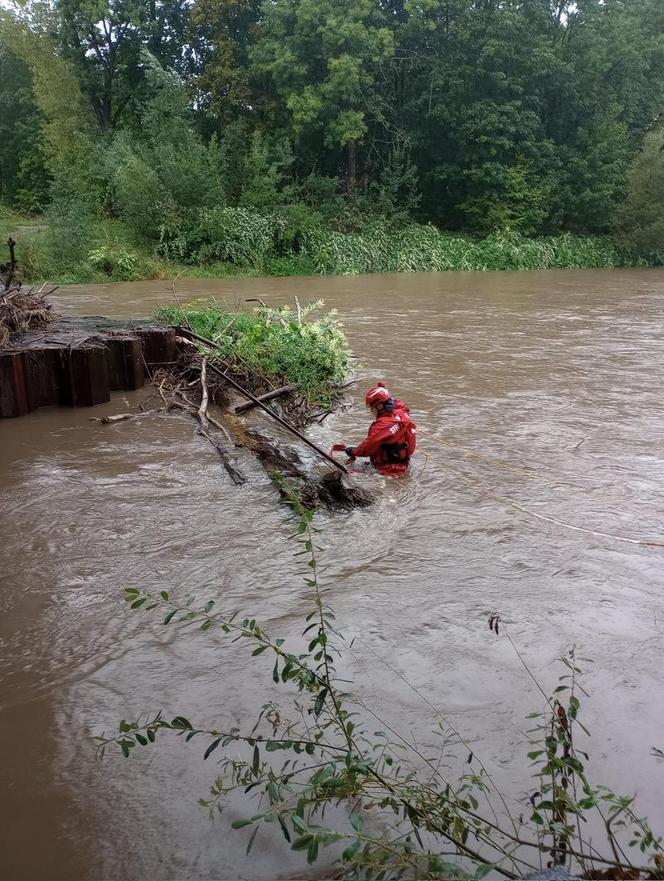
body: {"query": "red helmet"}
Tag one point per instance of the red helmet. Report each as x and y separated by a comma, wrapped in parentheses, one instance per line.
(379, 394)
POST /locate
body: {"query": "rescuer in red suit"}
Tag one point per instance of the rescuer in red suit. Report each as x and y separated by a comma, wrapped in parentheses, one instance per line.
(391, 439)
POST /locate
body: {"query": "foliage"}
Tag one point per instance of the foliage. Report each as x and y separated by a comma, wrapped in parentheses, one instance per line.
(23, 175)
(115, 263)
(485, 120)
(280, 346)
(642, 219)
(405, 815)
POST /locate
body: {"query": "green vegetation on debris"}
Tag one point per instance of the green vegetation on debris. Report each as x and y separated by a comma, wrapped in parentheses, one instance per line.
(276, 346)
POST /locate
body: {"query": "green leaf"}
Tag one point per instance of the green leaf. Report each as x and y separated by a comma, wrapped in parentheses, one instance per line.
(356, 822)
(207, 608)
(251, 841)
(320, 701)
(301, 843)
(350, 852)
(138, 603)
(240, 824)
(170, 616)
(164, 594)
(284, 828)
(212, 747)
(312, 854)
(259, 650)
(256, 760)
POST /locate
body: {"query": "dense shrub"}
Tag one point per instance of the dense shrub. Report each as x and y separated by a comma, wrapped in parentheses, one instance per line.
(282, 345)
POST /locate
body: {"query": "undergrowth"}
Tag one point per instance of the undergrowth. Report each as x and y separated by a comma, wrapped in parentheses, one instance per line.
(278, 346)
(225, 242)
(408, 814)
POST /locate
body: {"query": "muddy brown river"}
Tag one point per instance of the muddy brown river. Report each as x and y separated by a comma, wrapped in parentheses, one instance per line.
(553, 380)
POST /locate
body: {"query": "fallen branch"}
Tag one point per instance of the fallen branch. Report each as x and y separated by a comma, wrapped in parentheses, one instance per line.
(202, 410)
(122, 417)
(234, 473)
(210, 345)
(268, 396)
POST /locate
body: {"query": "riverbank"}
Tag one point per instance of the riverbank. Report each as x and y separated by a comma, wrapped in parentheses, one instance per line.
(235, 242)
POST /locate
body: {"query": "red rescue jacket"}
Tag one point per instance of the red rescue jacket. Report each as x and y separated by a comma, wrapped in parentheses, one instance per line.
(391, 441)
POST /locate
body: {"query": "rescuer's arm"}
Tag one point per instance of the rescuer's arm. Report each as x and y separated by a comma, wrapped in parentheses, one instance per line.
(377, 436)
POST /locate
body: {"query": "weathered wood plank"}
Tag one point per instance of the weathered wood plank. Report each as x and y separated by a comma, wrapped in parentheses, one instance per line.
(125, 363)
(159, 346)
(41, 377)
(13, 392)
(83, 377)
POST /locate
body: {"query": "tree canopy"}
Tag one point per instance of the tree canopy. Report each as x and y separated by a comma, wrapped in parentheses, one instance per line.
(475, 115)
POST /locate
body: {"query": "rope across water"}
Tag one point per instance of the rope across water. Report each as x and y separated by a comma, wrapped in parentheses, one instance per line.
(646, 542)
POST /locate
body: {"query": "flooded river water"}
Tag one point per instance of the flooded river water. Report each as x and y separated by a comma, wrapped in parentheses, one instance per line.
(557, 374)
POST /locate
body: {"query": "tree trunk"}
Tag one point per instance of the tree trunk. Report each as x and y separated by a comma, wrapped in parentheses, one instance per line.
(352, 165)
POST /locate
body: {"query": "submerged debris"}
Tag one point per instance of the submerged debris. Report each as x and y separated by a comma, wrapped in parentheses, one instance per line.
(332, 488)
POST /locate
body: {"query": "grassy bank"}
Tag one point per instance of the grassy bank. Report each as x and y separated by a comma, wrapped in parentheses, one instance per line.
(226, 242)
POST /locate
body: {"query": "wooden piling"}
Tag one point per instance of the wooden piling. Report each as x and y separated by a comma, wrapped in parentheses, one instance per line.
(41, 376)
(83, 377)
(159, 346)
(77, 362)
(13, 392)
(125, 363)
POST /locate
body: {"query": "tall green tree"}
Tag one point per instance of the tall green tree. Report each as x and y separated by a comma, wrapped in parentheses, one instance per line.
(104, 39)
(641, 221)
(23, 174)
(224, 32)
(321, 60)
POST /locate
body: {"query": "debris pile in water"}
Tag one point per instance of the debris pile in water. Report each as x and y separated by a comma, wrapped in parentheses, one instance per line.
(295, 373)
(296, 357)
(21, 311)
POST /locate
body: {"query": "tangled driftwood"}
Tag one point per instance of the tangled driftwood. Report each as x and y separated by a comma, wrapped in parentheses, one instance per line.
(194, 384)
(22, 310)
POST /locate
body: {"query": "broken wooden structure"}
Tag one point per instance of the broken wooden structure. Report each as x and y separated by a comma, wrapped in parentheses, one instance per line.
(79, 362)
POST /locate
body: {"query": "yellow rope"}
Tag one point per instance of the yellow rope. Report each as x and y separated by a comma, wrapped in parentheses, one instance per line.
(647, 542)
(507, 501)
(473, 455)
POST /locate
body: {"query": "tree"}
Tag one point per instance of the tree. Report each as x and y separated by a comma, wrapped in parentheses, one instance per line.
(641, 221)
(104, 42)
(224, 31)
(321, 59)
(23, 175)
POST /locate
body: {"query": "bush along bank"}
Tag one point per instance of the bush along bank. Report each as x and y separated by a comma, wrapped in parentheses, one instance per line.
(220, 242)
(242, 237)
